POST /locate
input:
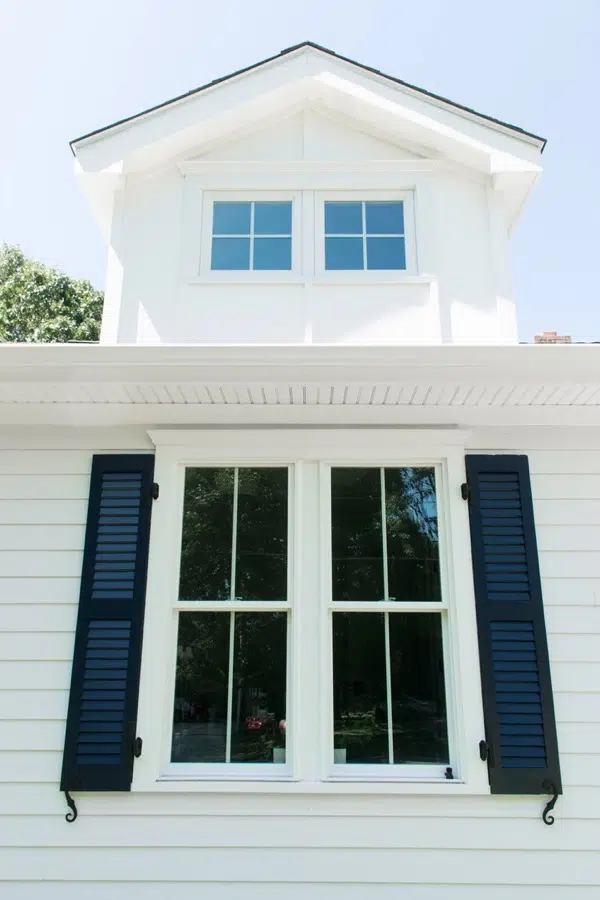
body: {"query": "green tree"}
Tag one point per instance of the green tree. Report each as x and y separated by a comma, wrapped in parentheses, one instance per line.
(38, 303)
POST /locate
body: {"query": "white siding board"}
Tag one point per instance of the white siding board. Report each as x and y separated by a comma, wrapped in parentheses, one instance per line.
(575, 707)
(33, 704)
(574, 486)
(40, 563)
(40, 537)
(16, 645)
(28, 675)
(44, 487)
(32, 735)
(30, 765)
(306, 832)
(37, 617)
(570, 565)
(43, 512)
(568, 593)
(559, 511)
(56, 462)
(78, 890)
(399, 866)
(568, 538)
(580, 648)
(37, 591)
(583, 619)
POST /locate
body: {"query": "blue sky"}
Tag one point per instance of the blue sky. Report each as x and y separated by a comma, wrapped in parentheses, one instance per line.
(70, 66)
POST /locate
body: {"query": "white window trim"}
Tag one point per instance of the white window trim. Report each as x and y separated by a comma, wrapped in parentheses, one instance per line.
(309, 766)
(352, 276)
(248, 276)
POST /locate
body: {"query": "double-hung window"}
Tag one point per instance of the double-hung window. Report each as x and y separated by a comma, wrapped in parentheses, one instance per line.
(230, 686)
(389, 697)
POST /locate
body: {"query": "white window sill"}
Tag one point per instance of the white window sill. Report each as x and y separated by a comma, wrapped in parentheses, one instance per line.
(331, 786)
(349, 278)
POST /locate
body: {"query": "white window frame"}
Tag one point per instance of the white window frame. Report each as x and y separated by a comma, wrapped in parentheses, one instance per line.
(309, 766)
(250, 275)
(369, 275)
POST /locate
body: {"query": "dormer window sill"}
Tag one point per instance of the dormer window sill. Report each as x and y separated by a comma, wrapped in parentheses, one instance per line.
(349, 278)
(246, 278)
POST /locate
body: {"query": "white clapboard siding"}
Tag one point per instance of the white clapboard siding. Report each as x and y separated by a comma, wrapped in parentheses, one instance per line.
(565, 593)
(313, 832)
(269, 846)
(568, 538)
(40, 563)
(570, 565)
(578, 512)
(26, 645)
(300, 865)
(42, 618)
(76, 890)
(32, 704)
(56, 462)
(57, 511)
(44, 487)
(41, 537)
(38, 675)
(33, 734)
(573, 620)
(40, 590)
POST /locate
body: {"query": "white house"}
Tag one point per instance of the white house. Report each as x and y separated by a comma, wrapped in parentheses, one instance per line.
(311, 466)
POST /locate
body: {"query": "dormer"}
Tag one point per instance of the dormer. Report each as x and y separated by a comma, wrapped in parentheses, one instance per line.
(308, 199)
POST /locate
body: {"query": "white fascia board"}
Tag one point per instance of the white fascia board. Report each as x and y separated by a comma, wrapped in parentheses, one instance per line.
(71, 363)
(311, 75)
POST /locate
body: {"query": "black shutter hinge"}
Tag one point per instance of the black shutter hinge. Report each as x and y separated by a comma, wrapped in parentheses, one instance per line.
(137, 747)
(484, 751)
(449, 774)
(154, 491)
(465, 491)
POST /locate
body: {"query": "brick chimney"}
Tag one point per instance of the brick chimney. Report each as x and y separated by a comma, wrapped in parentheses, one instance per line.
(551, 337)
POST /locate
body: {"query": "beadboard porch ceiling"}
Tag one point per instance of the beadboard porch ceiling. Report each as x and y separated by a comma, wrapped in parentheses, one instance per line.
(210, 379)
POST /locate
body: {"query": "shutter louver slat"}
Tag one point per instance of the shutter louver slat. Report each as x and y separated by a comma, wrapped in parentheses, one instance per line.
(106, 663)
(515, 670)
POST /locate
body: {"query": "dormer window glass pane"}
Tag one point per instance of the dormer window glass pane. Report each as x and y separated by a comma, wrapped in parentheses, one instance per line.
(364, 235)
(252, 235)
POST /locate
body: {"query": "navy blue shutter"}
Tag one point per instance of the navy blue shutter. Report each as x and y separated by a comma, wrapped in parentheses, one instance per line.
(515, 669)
(101, 719)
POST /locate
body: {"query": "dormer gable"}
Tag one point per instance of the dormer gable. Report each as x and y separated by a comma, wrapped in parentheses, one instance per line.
(313, 132)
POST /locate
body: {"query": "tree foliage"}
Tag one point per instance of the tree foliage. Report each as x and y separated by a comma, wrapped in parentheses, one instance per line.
(38, 303)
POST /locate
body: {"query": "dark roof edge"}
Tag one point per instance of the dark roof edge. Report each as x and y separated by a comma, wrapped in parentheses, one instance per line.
(335, 55)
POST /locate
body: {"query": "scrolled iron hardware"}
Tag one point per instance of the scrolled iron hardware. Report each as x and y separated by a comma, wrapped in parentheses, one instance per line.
(550, 788)
(70, 816)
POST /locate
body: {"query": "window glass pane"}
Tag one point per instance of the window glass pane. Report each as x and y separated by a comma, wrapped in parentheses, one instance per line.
(386, 253)
(272, 253)
(230, 254)
(231, 218)
(344, 217)
(200, 707)
(261, 557)
(272, 218)
(343, 253)
(412, 534)
(259, 688)
(384, 217)
(418, 695)
(359, 688)
(357, 544)
(205, 572)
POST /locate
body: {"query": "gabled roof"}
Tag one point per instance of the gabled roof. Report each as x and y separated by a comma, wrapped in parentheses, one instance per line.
(287, 51)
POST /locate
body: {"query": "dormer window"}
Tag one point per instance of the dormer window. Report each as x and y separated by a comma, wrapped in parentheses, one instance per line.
(364, 235)
(251, 235)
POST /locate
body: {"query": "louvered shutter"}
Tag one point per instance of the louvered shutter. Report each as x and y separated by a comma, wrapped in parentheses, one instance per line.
(101, 720)
(515, 669)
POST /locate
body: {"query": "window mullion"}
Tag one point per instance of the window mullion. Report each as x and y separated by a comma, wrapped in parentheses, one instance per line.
(252, 204)
(236, 485)
(386, 619)
(364, 233)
